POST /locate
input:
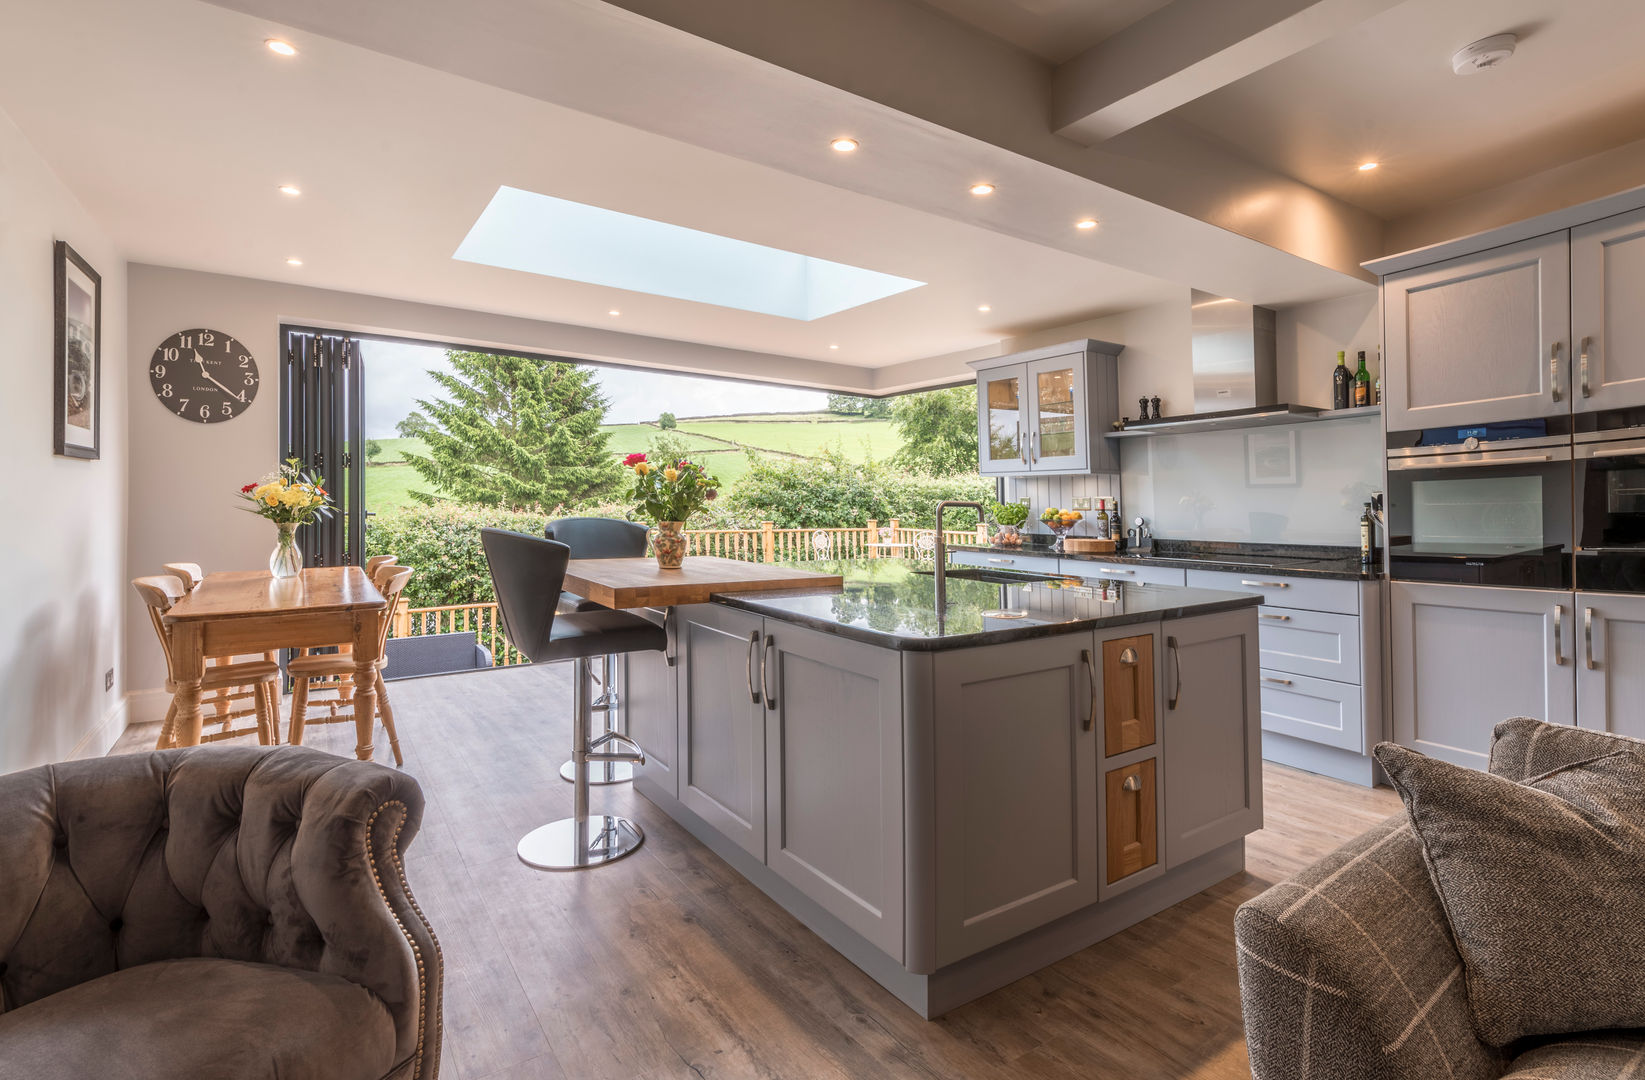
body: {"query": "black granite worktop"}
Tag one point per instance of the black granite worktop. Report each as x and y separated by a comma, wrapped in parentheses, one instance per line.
(1296, 560)
(891, 603)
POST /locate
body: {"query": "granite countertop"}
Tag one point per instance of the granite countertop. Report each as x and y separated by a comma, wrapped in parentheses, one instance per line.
(1291, 560)
(891, 603)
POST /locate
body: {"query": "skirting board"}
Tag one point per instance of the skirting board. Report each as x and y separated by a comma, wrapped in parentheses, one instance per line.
(1329, 761)
(104, 734)
(966, 980)
(147, 706)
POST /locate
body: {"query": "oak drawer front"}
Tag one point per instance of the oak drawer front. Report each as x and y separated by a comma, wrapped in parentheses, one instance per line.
(1038, 564)
(1313, 594)
(1133, 826)
(1137, 573)
(1319, 710)
(1127, 694)
(1318, 643)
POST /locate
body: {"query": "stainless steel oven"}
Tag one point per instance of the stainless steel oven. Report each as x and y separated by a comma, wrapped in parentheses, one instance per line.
(1491, 509)
(1610, 511)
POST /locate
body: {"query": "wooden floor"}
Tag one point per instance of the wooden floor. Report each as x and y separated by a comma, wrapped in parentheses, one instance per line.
(668, 964)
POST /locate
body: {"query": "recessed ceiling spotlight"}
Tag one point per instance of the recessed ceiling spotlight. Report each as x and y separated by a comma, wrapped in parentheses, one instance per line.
(1368, 166)
(281, 48)
(613, 311)
(290, 189)
(1086, 223)
(984, 307)
(845, 144)
(833, 346)
(294, 261)
(982, 189)
(1485, 53)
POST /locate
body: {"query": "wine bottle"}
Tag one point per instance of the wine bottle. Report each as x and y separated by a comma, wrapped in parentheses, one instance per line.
(1362, 383)
(1342, 382)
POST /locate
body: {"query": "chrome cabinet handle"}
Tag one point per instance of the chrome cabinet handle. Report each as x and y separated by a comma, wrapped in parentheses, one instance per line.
(1588, 637)
(1132, 783)
(1128, 656)
(1559, 627)
(1022, 444)
(753, 640)
(1553, 371)
(1091, 666)
(1276, 618)
(669, 658)
(1033, 446)
(1176, 665)
(765, 686)
(1585, 343)
(1276, 679)
(1267, 584)
(1004, 562)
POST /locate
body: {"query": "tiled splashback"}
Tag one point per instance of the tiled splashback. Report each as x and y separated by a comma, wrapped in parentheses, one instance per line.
(1059, 491)
(1293, 484)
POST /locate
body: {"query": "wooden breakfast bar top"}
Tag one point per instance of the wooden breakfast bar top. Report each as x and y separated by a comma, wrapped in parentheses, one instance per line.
(640, 583)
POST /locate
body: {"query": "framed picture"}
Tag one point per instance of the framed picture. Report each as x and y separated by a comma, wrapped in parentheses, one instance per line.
(78, 421)
(1271, 458)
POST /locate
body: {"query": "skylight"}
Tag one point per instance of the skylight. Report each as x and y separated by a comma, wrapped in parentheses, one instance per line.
(522, 230)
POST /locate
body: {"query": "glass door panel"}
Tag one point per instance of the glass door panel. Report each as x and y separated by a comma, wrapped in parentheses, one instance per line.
(1057, 441)
(1003, 422)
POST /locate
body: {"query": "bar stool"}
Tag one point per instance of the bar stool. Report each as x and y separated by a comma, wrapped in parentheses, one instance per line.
(527, 574)
(600, 538)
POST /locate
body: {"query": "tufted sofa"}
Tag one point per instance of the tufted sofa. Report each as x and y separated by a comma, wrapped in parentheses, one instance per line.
(233, 912)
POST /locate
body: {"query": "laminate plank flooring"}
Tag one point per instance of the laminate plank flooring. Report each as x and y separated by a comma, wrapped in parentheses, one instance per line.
(669, 966)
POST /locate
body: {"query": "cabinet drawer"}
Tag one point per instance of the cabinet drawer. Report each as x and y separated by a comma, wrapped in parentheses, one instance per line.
(1318, 643)
(1318, 710)
(1139, 573)
(1039, 564)
(1314, 594)
(1133, 831)
(1127, 694)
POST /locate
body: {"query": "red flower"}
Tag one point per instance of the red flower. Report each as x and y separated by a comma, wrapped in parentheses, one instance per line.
(712, 495)
(633, 459)
(248, 489)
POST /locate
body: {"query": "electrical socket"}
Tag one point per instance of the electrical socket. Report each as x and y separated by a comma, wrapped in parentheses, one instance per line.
(108, 680)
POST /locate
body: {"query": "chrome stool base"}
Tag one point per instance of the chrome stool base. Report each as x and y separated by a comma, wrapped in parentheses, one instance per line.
(570, 844)
(600, 773)
(610, 772)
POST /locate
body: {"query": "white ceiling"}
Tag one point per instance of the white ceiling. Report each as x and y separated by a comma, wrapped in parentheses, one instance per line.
(1054, 30)
(1384, 91)
(178, 126)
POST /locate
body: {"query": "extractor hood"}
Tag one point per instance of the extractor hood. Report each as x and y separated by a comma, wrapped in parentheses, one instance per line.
(1234, 368)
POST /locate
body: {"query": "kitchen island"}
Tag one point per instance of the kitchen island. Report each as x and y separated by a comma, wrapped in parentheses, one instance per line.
(954, 800)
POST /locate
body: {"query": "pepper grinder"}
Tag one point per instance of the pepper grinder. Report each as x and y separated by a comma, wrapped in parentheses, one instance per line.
(1142, 405)
(1155, 400)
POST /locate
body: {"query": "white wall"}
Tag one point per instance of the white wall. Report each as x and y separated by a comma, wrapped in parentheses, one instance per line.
(1308, 337)
(63, 539)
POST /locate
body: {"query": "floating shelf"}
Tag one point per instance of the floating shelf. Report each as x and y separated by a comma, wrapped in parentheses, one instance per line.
(1254, 418)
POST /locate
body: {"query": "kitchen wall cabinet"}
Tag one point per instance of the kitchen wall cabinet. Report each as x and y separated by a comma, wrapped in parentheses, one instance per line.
(1044, 412)
(1479, 339)
(1607, 318)
(1466, 657)
(651, 710)
(721, 756)
(1610, 663)
(834, 778)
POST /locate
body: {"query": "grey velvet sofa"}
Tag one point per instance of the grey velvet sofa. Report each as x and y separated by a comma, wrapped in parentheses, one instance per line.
(233, 912)
(1348, 972)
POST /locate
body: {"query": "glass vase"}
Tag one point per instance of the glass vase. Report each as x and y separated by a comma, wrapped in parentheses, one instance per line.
(286, 560)
(669, 544)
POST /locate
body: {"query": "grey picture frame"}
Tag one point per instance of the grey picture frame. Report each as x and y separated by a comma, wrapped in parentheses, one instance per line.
(77, 356)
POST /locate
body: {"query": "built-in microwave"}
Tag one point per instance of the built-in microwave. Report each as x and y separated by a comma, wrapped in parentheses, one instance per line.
(1610, 512)
(1493, 508)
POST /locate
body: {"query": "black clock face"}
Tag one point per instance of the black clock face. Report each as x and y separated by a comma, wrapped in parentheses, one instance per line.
(204, 376)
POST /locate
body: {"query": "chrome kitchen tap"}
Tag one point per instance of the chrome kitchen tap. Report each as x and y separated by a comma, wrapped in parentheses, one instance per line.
(942, 551)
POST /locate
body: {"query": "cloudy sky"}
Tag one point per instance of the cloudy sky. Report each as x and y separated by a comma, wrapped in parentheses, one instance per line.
(397, 375)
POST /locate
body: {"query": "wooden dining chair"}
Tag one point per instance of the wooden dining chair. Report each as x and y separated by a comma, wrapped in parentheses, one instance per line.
(189, 573)
(376, 563)
(334, 671)
(256, 681)
(222, 701)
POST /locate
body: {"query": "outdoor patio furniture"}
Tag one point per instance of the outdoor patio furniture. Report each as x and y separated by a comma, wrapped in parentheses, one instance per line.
(433, 654)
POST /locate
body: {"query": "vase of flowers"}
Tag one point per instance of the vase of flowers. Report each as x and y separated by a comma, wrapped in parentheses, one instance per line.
(288, 497)
(668, 494)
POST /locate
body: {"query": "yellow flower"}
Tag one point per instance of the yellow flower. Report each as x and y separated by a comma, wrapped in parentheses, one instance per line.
(671, 474)
(272, 498)
(642, 468)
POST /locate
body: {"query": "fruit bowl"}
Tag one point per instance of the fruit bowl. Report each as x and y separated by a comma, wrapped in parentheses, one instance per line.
(1060, 522)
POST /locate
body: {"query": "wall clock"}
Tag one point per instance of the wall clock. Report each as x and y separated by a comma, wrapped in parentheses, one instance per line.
(203, 375)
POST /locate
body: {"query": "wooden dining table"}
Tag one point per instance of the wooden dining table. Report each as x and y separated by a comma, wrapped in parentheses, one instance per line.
(237, 613)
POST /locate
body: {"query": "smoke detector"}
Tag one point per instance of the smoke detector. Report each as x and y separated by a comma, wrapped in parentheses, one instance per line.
(1485, 53)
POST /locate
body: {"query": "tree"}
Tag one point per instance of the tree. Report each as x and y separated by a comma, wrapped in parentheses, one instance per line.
(853, 405)
(516, 432)
(938, 430)
(414, 426)
(374, 450)
(667, 421)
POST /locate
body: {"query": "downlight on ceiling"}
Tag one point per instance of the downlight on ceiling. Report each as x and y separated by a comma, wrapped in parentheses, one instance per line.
(1368, 166)
(540, 234)
(1086, 223)
(844, 144)
(982, 189)
(1485, 53)
(281, 48)
(290, 189)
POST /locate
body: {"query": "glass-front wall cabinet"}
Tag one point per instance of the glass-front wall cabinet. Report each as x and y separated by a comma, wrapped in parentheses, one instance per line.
(1058, 438)
(1047, 410)
(1001, 442)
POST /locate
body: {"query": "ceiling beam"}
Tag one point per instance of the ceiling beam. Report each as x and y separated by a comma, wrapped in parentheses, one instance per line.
(1184, 51)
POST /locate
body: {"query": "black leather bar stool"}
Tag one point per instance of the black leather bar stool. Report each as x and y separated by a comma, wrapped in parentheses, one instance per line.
(600, 538)
(527, 574)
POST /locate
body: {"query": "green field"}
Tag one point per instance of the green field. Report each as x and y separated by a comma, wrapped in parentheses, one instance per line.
(394, 449)
(632, 438)
(859, 439)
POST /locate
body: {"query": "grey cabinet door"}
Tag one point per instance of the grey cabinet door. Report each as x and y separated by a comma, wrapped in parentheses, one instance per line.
(651, 709)
(1058, 417)
(1607, 316)
(1466, 658)
(834, 777)
(1610, 663)
(1002, 421)
(1015, 790)
(1480, 339)
(721, 759)
(1211, 733)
